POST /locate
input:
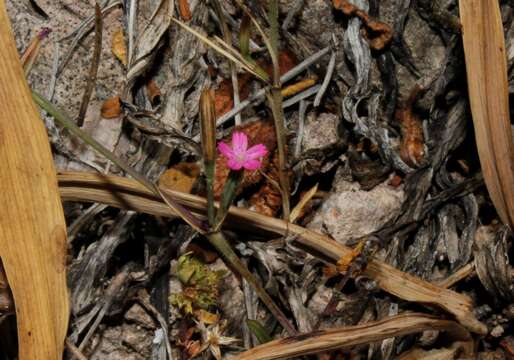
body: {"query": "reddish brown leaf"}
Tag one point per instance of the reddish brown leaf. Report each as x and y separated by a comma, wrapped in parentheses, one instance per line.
(180, 177)
(224, 95)
(268, 200)
(111, 108)
(207, 256)
(379, 34)
(412, 147)
(185, 11)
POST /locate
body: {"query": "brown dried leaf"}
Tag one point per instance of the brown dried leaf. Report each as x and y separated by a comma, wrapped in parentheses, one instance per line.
(111, 108)
(268, 200)
(206, 317)
(118, 46)
(412, 147)
(224, 95)
(180, 177)
(207, 256)
(379, 34)
(184, 10)
(154, 92)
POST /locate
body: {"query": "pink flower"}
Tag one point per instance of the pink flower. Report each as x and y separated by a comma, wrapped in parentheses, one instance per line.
(239, 156)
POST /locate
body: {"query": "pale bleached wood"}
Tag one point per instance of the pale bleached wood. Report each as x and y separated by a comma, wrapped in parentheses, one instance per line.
(32, 227)
(129, 194)
(486, 65)
(325, 340)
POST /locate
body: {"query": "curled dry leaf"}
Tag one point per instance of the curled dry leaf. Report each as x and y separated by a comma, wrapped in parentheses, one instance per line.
(118, 46)
(111, 108)
(154, 92)
(180, 177)
(412, 147)
(184, 10)
(379, 34)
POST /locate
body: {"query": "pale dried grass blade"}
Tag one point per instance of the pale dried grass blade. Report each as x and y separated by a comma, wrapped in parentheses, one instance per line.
(325, 340)
(297, 210)
(32, 227)
(486, 65)
(129, 194)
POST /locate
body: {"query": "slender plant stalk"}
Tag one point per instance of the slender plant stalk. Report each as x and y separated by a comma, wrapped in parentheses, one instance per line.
(274, 28)
(227, 36)
(93, 69)
(274, 97)
(208, 134)
(229, 193)
(221, 244)
(275, 100)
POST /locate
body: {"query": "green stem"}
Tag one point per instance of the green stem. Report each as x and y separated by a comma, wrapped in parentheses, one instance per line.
(229, 193)
(221, 244)
(209, 179)
(274, 29)
(275, 101)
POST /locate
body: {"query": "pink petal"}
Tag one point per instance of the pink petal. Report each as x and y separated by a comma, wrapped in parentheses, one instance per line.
(256, 151)
(239, 142)
(234, 164)
(225, 150)
(252, 164)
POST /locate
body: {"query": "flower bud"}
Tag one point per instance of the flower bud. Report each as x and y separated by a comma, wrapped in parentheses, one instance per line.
(208, 126)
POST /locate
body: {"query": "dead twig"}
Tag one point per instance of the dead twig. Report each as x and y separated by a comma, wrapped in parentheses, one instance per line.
(75, 352)
(93, 70)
